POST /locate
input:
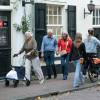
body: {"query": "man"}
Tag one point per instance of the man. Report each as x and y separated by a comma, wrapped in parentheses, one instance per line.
(49, 45)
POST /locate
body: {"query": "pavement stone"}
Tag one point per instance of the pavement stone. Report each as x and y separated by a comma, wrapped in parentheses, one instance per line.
(22, 92)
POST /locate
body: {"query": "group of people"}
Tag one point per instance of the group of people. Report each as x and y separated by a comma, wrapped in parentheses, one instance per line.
(69, 51)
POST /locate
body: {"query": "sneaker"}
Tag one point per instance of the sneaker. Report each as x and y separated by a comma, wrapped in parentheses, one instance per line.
(42, 81)
(48, 78)
(76, 86)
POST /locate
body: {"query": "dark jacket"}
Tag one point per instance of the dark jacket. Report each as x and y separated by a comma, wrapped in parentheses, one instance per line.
(77, 53)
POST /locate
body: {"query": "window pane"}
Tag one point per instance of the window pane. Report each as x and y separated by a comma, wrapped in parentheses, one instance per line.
(50, 10)
(59, 30)
(99, 13)
(99, 21)
(5, 2)
(59, 20)
(59, 10)
(96, 12)
(96, 21)
(54, 30)
(93, 21)
(55, 19)
(55, 10)
(50, 19)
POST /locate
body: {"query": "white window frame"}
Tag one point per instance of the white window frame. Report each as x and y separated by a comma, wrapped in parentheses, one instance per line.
(55, 25)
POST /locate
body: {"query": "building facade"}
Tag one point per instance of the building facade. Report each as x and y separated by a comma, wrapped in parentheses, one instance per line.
(45, 14)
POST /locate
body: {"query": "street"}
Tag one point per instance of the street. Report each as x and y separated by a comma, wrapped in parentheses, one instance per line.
(87, 94)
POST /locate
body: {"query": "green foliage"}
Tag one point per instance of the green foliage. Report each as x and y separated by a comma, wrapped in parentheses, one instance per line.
(15, 4)
(25, 24)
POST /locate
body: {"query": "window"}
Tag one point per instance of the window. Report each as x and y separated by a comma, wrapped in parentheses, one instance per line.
(96, 17)
(54, 20)
(5, 2)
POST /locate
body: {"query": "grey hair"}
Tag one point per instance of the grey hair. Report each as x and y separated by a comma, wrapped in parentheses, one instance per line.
(29, 32)
(50, 30)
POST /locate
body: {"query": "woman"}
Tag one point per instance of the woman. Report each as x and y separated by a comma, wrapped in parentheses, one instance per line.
(65, 43)
(91, 43)
(77, 51)
(30, 47)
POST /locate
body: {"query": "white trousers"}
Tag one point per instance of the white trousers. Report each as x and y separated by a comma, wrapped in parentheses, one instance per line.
(36, 67)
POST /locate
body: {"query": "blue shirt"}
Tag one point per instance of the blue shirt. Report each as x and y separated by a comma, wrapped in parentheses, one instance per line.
(91, 45)
(49, 44)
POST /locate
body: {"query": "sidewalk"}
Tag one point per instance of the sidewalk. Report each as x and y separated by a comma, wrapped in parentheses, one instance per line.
(36, 89)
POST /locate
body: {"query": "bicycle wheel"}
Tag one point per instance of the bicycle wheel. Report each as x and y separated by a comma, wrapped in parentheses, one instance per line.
(92, 75)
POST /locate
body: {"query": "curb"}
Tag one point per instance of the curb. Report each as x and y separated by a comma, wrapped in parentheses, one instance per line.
(33, 97)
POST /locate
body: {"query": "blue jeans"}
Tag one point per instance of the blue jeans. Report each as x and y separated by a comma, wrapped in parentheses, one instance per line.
(49, 59)
(65, 64)
(77, 73)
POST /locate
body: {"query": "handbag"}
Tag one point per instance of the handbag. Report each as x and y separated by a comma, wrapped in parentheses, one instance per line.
(64, 52)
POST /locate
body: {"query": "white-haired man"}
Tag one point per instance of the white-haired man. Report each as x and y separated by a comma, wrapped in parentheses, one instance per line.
(49, 45)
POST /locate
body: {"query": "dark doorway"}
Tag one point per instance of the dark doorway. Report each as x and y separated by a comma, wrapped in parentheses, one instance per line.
(97, 35)
(5, 42)
(40, 23)
(72, 21)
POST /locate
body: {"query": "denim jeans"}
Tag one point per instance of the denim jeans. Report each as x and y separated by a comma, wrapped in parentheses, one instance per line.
(49, 59)
(77, 73)
(65, 65)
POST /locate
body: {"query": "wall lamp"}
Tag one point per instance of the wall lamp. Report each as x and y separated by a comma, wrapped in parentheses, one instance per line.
(23, 2)
(91, 8)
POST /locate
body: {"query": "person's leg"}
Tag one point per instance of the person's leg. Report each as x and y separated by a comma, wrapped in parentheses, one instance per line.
(51, 54)
(77, 72)
(27, 69)
(37, 68)
(63, 64)
(66, 69)
(47, 60)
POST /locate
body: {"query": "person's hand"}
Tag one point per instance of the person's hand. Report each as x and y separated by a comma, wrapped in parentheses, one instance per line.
(70, 61)
(42, 54)
(28, 54)
(16, 54)
(57, 52)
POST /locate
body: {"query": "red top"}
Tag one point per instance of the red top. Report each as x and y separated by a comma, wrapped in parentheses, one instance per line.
(63, 44)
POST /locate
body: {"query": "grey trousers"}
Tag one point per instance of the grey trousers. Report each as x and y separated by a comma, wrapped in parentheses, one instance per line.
(36, 67)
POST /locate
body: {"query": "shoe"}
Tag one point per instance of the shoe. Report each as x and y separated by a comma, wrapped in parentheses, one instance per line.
(76, 86)
(42, 81)
(64, 78)
(48, 78)
(55, 76)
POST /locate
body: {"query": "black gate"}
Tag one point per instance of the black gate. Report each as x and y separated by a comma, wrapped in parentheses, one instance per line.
(72, 21)
(97, 35)
(5, 42)
(40, 23)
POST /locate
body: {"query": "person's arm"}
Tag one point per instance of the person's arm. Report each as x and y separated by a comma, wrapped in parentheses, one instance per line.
(59, 44)
(56, 44)
(34, 47)
(97, 41)
(71, 52)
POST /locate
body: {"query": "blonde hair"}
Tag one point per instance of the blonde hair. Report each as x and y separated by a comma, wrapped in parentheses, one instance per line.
(78, 40)
(65, 32)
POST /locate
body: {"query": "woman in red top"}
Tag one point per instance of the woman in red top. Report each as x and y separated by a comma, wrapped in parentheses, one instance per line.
(65, 43)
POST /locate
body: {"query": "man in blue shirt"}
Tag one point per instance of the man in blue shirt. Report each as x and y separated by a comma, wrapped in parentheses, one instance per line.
(49, 45)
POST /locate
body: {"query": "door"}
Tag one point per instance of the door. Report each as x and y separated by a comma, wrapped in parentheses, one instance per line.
(97, 35)
(72, 21)
(5, 42)
(40, 23)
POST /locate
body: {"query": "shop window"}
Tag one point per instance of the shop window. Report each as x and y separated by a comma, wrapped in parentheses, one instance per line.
(5, 2)
(54, 20)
